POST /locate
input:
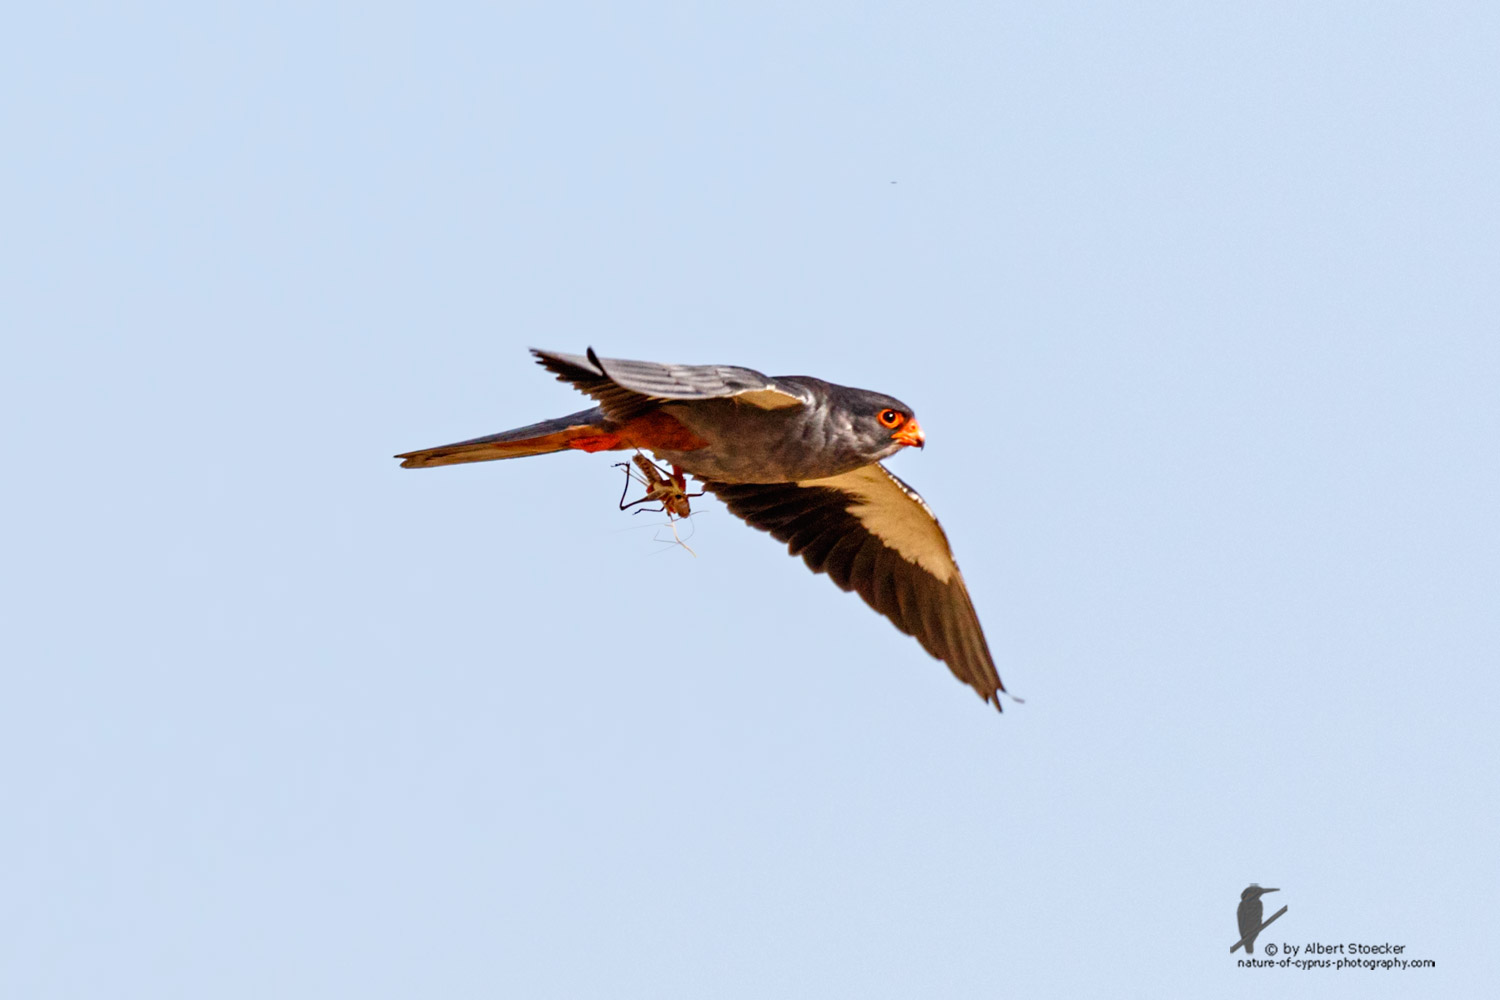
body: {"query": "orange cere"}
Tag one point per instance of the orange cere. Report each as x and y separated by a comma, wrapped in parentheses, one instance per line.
(910, 434)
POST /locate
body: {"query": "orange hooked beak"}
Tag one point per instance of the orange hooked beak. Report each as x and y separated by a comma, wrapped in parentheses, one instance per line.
(910, 434)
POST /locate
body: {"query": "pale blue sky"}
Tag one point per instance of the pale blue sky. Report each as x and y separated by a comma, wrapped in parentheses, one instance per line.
(1198, 304)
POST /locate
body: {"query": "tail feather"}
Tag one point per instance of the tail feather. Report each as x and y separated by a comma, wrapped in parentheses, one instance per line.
(534, 439)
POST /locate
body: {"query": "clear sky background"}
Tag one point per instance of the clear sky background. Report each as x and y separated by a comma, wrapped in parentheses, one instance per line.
(1199, 305)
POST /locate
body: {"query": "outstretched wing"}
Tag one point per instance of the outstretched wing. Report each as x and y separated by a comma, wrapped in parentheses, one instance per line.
(871, 533)
(627, 388)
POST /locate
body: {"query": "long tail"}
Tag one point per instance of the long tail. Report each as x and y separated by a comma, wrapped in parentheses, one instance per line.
(577, 430)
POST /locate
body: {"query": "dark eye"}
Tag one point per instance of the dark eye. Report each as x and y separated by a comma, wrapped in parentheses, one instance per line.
(891, 418)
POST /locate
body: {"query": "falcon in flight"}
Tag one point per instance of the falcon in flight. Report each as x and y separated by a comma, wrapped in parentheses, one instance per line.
(794, 456)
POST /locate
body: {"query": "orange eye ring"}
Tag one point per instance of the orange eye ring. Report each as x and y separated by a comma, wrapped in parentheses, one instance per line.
(891, 418)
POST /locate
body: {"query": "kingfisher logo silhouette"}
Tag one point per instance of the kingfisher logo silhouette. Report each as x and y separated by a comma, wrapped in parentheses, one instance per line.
(1248, 915)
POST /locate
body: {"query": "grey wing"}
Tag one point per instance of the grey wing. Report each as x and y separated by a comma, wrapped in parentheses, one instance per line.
(627, 388)
(871, 533)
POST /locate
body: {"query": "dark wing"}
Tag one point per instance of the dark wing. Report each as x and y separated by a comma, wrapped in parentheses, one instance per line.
(628, 388)
(871, 533)
(1248, 916)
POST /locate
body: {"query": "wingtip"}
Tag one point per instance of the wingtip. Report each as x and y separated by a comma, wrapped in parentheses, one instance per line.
(569, 367)
(997, 696)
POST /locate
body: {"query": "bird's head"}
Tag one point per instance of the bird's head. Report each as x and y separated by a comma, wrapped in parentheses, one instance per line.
(1254, 891)
(881, 424)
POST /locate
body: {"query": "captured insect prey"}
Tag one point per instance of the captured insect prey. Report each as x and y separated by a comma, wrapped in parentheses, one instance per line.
(669, 490)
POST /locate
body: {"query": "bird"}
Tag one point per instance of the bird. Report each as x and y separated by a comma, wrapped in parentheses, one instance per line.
(792, 455)
(1250, 911)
